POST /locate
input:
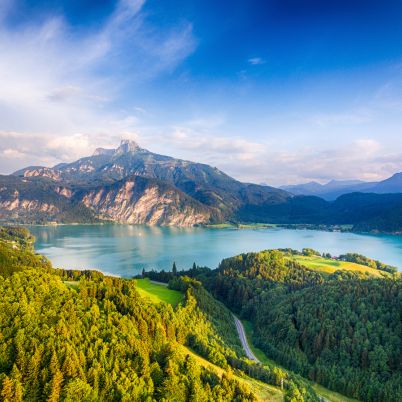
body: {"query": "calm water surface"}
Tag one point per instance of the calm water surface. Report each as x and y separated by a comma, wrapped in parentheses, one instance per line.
(125, 250)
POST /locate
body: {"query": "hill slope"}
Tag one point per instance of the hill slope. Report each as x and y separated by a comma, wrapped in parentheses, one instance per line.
(82, 336)
(40, 200)
(341, 329)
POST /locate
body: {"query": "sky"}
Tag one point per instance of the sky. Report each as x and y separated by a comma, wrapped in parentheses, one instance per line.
(269, 91)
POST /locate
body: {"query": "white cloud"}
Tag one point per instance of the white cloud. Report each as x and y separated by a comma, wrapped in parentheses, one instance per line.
(246, 160)
(64, 93)
(59, 83)
(13, 153)
(359, 159)
(61, 97)
(254, 161)
(256, 61)
(18, 149)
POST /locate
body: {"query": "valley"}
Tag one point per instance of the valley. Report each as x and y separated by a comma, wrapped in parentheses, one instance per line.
(200, 201)
(261, 288)
(263, 391)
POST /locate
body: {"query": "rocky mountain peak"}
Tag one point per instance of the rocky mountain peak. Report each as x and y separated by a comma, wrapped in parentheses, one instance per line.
(128, 146)
(103, 151)
(124, 147)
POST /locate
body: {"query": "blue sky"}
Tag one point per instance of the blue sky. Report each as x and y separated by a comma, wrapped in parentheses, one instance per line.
(275, 91)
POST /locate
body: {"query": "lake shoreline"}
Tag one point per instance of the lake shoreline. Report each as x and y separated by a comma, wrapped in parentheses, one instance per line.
(126, 249)
(341, 228)
(299, 226)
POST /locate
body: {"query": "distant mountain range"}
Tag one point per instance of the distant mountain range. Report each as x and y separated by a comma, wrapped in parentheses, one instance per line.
(335, 188)
(130, 184)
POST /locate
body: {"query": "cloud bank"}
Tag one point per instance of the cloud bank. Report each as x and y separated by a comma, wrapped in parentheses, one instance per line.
(66, 91)
(65, 86)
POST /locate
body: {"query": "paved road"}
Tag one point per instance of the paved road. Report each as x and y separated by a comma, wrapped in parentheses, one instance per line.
(249, 353)
(243, 340)
(159, 283)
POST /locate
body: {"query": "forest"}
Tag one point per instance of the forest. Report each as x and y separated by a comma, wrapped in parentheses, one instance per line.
(342, 330)
(82, 336)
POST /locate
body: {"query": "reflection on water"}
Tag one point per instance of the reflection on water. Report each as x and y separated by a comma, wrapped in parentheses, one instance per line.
(126, 249)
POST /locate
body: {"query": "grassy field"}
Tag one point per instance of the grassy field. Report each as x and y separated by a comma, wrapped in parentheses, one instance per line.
(263, 391)
(329, 395)
(158, 293)
(330, 266)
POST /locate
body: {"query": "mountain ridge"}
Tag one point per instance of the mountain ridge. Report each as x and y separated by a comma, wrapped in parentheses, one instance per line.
(181, 188)
(130, 184)
(336, 188)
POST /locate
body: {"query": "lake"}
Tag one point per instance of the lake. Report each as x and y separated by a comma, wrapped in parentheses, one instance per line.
(124, 250)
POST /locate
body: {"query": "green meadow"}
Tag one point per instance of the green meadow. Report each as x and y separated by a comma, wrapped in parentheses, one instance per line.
(329, 266)
(158, 293)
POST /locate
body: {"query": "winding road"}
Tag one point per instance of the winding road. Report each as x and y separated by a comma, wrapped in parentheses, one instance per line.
(160, 283)
(249, 353)
(243, 340)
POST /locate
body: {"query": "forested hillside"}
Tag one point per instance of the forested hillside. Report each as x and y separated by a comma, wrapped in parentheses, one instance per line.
(82, 336)
(342, 329)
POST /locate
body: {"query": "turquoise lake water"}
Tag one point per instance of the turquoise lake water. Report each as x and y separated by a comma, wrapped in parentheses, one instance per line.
(125, 250)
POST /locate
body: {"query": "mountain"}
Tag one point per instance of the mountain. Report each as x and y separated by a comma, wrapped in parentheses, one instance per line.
(329, 191)
(310, 188)
(335, 188)
(133, 185)
(202, 182)
(140, 200)
(130, 184)
(134, 199)
(366, 212)
(40, 200)
(390, 185)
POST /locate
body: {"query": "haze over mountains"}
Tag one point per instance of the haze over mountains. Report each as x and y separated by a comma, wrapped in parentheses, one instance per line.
(335, 188)
(130, 184)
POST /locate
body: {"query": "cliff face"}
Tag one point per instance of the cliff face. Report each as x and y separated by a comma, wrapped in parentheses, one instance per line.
(135, 200)
(38, 171)
(143, 201)
(18, 204)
